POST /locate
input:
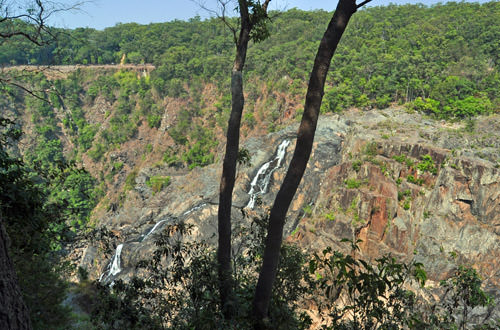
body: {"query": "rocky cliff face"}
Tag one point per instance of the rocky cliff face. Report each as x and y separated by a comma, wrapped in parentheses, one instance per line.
(406, 185)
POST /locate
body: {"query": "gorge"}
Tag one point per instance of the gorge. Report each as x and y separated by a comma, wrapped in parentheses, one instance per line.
(115, 159)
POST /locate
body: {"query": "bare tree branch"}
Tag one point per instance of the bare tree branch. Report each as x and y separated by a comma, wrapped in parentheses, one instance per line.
(219, 13)
(27, 90)
(13, 77)
(35, 14)
(362, 4)
(28, 19)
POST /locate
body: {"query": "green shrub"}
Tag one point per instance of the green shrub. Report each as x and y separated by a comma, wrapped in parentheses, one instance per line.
(250, 119)
(154, 121)
(117, 166)
(376, 296)
(330, 216)
(244, 158)
(86, 136)
(36, 201)
(399, 158)
(184, 293)
(469, 107)
(356, 165)
(130, 180)
(97, 152)
(188, 295)
(415, 180)
(427, 105)
(403, 194)
(307, 210)
(370, 149)
(352, 183)
(157, 183)
(121, 129)
(404, 160)
(454, 97)
(171, 157)
(427, 164)
(179, 132)
(198, 155)
(383, 101)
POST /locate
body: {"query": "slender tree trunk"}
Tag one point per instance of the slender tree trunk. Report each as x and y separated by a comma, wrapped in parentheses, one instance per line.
(14, 314)
(345, 9)
(229, 165)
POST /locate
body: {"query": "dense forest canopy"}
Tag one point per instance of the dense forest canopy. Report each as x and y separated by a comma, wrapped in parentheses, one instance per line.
(446, 54)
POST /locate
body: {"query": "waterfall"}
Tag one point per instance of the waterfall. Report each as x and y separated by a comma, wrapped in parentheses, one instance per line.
(196, 208)
(153, 229)
(114, 266)
(258, 187)
(164, 220)
(260, 182)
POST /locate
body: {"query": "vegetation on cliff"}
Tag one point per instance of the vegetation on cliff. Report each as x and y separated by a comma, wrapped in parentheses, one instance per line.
(444, 56)
(442, 61)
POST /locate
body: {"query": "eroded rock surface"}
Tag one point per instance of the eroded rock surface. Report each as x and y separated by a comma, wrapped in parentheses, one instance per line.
(403, 184)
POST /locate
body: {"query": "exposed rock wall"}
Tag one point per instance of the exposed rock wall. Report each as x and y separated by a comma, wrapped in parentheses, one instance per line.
(368, 178)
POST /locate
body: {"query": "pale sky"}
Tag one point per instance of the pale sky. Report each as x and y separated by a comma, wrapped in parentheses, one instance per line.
(100, 14)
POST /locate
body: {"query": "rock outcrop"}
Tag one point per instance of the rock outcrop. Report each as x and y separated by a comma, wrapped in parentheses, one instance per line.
(403, 184)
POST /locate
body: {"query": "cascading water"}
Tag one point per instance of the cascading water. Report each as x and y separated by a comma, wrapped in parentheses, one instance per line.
(260, 182)
(164, 220)
(196, 208)
(258, 187)
(153, 229)
(114, 266)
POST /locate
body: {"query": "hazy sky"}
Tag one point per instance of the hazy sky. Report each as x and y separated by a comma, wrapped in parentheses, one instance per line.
(104, 13)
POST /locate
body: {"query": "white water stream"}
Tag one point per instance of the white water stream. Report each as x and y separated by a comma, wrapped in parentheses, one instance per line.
(153, 229)
(115, 265)
(258, 187)
(196, 208)
(260, 182)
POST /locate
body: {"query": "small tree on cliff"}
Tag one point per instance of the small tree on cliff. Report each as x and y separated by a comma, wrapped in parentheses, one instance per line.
(345, 9)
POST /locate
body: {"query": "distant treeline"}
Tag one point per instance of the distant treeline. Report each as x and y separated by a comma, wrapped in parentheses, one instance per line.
(443, 59)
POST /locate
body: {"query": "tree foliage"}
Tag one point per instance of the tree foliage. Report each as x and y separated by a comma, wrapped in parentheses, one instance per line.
(179, 289)
(446, 53)
(36, 226)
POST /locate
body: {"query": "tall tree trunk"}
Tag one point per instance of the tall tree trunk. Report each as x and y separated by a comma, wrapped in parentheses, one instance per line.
(14, 314)
(345, 9)
(229, 165)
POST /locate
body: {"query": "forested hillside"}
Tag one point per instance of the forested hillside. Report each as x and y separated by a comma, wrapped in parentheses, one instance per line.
(107, 144)
(446, 54)
(441, 60)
